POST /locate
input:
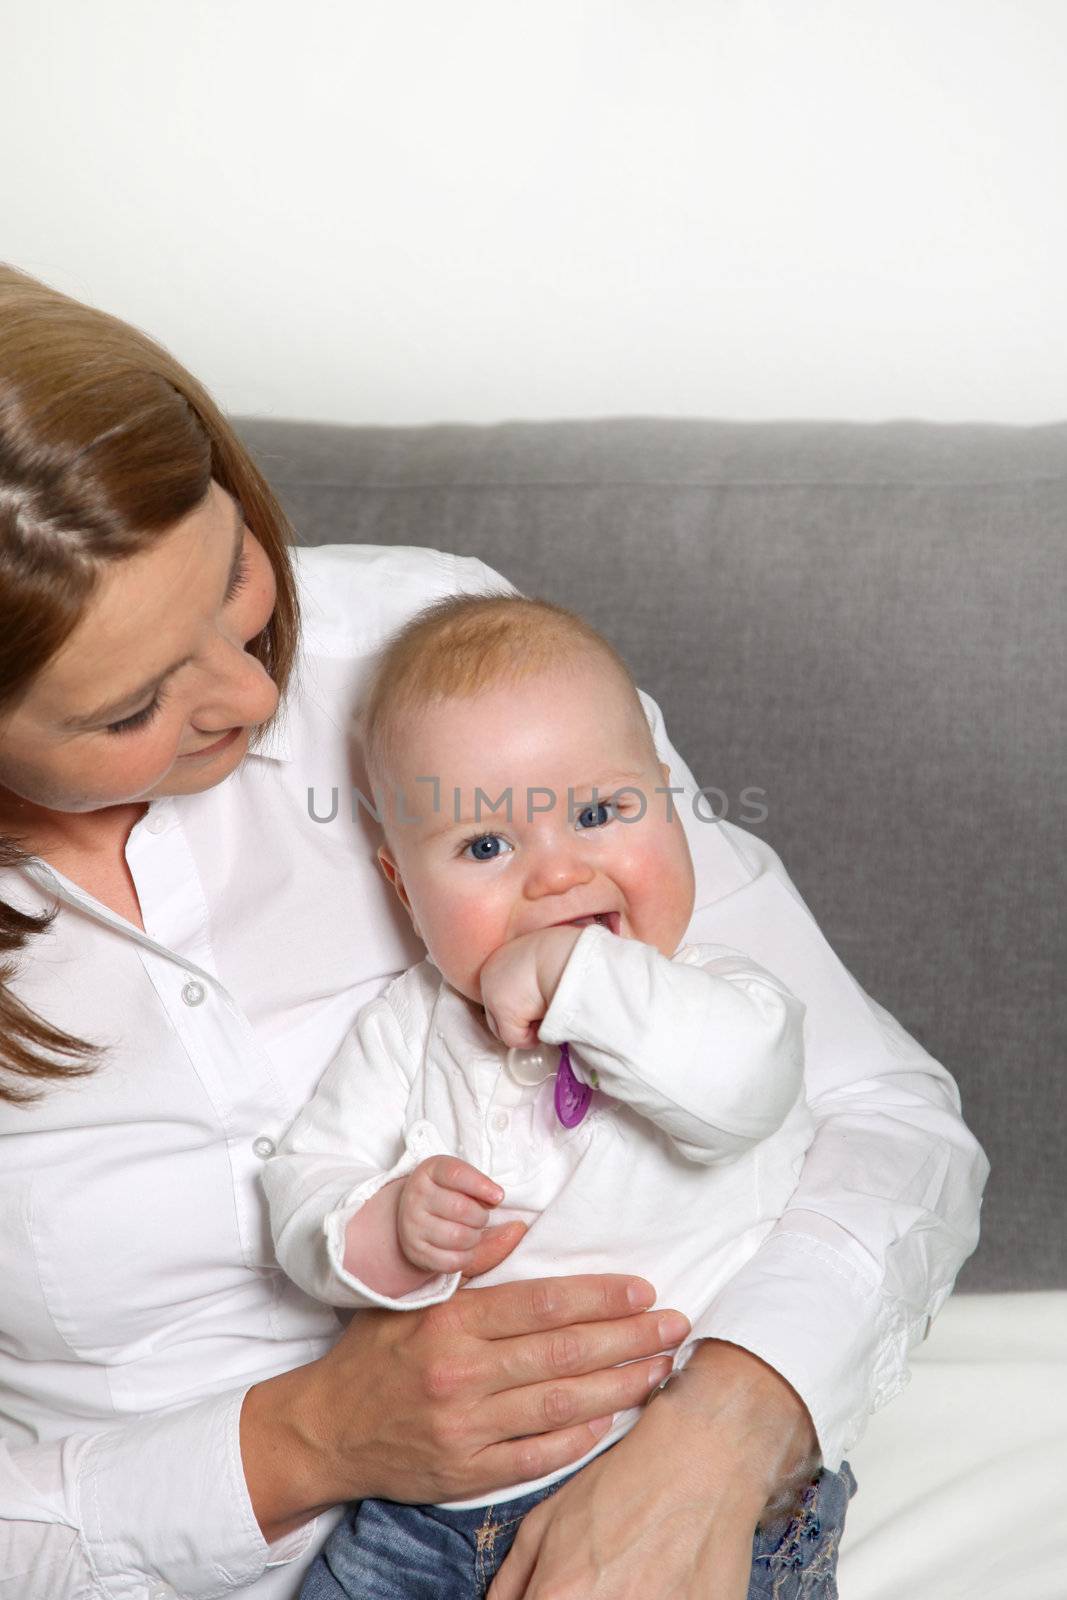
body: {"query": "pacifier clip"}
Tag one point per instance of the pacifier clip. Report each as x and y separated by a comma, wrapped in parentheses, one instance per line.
(572, 1096)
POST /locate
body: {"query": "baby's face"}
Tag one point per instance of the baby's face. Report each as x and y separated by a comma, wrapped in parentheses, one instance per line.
(569, 848)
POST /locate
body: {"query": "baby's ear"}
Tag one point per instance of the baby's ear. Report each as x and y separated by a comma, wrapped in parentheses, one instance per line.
(387, 862)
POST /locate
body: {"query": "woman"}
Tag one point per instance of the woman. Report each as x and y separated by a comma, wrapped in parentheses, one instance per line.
(189, 945)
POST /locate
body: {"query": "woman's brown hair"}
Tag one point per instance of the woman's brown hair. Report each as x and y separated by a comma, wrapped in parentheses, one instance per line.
(105, 443)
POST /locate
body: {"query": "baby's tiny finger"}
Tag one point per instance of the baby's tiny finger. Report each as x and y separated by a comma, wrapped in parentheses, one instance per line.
(455, 1207)
(435, 1260)
(451, 1173)
(450, 1235)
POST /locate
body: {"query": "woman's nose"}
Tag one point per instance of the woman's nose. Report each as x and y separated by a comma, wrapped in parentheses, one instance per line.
(240, 694)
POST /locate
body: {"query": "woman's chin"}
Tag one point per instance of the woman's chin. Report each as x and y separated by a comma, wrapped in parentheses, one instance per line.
(202, 769)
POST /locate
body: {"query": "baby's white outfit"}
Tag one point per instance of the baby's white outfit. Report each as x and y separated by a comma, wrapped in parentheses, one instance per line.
(688, 1154)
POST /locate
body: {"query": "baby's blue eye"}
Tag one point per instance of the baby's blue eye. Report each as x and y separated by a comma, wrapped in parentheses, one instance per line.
(596, 816)
(486, 847)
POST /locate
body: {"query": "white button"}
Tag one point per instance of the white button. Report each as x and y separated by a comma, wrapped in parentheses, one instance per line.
(500, 1121)
(156, 822)
(264, 1147)
(193, 993)
(162, 1591)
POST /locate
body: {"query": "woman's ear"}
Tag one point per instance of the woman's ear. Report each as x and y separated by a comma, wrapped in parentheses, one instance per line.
(387, 862)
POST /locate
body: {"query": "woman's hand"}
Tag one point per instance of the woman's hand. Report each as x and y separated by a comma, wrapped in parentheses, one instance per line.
(495, 1387)
(670, 1512)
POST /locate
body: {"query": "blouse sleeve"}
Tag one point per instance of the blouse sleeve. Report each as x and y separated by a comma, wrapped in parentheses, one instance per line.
(886, 1209)
(109, 1514)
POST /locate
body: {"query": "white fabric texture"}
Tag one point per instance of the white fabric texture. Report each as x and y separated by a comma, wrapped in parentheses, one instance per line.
(689, 1151)
(961, 1481)
(141, 1293)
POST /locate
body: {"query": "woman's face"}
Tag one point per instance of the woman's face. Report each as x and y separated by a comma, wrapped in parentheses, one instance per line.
(154, 693)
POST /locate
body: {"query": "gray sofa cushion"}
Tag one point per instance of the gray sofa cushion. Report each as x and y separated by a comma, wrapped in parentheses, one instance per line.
(865, 623)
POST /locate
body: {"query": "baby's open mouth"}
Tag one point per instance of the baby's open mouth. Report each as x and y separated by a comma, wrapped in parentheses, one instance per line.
(603, 919)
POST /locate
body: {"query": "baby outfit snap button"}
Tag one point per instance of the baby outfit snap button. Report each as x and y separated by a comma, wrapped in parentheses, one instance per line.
(193, 993)
(263, 1147)
(500, 1121)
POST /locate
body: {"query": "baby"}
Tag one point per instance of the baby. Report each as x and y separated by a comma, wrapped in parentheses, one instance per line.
(557, 1059)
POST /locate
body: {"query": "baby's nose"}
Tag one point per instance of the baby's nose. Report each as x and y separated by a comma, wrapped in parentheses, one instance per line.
(556, 872)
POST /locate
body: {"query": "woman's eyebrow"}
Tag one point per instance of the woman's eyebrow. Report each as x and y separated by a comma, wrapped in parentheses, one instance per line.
(117, 708)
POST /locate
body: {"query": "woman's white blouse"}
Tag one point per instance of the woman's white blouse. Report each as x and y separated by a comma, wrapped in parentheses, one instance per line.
(141, 1296)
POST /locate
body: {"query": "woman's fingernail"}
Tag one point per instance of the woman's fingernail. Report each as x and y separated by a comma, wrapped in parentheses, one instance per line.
(659, 1373)
(640, 1295)
(599, 1426)
(672, 1327)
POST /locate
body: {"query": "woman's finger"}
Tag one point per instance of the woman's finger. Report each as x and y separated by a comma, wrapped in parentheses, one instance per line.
(517, 1573)
(547, 1407)
(574, 1351)
(523, 1460)
(507, 1309)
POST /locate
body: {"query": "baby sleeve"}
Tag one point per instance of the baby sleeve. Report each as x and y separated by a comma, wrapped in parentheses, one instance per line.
(349, 1141)
(708, 1046)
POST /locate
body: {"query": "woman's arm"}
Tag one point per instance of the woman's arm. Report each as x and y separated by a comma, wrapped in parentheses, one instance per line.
(671, 1511)
(886, 1209)
(431, 1405)
(497, 1386)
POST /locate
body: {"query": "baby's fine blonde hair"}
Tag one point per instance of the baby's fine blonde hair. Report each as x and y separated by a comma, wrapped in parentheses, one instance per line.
(459, 647)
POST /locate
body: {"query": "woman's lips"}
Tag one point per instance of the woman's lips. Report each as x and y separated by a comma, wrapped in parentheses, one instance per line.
(213, 749)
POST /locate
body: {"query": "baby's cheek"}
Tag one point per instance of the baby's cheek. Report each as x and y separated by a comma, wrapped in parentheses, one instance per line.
(464, 937)
(662, 882)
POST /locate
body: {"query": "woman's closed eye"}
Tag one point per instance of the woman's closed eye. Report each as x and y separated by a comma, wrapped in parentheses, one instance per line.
(141, 719)
(239, 579)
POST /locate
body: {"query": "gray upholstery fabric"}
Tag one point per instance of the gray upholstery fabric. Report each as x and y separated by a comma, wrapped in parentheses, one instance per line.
(864, 622)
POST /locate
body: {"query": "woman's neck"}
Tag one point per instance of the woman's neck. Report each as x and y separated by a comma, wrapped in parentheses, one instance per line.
(65, 837)
(88, 847)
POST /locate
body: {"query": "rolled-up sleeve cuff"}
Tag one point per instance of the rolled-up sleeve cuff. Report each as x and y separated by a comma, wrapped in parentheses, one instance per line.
(164, 1499)
(805, 1310)
(348, 1289)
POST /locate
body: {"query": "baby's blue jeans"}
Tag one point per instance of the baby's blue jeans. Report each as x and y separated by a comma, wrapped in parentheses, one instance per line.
(385, 1551)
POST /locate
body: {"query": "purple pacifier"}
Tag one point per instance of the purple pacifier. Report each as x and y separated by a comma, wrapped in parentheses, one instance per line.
(572, 1096)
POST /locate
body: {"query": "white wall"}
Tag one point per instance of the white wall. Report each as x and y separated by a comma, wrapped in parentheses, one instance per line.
(413, 210)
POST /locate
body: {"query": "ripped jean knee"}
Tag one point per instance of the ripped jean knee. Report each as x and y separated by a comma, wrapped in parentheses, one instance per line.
(797, 1560)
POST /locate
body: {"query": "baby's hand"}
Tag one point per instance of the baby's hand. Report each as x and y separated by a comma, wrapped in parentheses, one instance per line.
(442, 1213)
(519, 980)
